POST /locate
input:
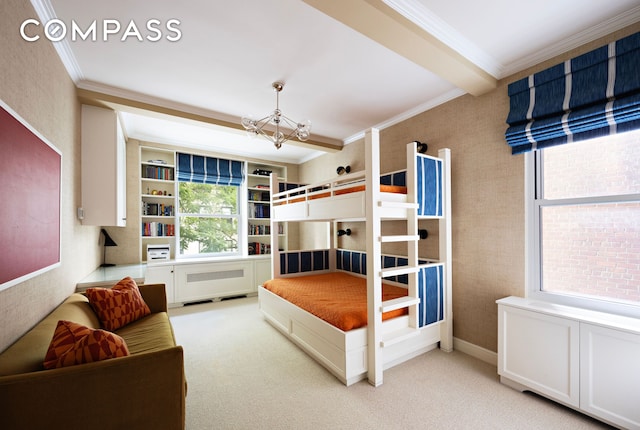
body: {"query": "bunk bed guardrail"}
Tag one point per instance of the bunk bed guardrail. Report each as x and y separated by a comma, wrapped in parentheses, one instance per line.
(292, 189)
(429, 186)
(289, 192)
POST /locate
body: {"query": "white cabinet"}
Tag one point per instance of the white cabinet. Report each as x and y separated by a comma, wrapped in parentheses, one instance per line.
(103, 168)
(584, 359)
(162, 274)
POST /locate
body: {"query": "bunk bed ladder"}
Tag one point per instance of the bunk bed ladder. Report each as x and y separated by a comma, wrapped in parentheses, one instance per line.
(411, 301)
(376, 342)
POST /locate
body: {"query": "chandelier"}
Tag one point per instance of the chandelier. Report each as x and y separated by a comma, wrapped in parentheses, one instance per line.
(285, 128)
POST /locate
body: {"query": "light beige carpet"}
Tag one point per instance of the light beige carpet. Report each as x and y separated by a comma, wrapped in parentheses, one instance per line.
(243, 374)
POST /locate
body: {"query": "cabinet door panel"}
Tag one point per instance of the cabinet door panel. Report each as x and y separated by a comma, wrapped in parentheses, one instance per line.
(541, 352)
(161, 275)
(610, 376)
(103, 168)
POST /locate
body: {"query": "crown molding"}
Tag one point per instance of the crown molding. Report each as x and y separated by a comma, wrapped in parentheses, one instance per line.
(455, 93)
(46, 13)
(430, 22)
(602, 29)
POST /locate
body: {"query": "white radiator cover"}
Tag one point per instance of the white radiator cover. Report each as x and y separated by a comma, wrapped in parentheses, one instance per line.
(212, 280)
(214, 276)
(587, 360)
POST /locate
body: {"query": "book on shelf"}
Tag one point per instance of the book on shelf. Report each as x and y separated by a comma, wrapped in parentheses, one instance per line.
(156, 229)
(259, 210)
(156, 209)
(259, 196)
(259, 230)
(156, 172)
(263, 230)
(257, 248)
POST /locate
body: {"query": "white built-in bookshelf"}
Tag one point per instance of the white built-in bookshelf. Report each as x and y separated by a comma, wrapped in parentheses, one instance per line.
(258, 209)
(157, 198)
(159, 203)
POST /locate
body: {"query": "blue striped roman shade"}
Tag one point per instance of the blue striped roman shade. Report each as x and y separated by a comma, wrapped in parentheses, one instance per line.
(595, 94)
(209, 170)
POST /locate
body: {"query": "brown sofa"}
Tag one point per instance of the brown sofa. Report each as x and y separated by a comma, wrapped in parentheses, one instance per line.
(145, 390)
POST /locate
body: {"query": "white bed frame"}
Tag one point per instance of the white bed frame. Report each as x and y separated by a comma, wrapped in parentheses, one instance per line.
(291, 206)
(365, 352)
(343, 353)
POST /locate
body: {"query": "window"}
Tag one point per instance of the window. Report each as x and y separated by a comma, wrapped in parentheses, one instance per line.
(209, 218)
(208, 205)
(585, 223)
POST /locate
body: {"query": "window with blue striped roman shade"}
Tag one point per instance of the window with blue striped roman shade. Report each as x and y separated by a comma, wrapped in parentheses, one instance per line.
(209, 170)
(595, 94)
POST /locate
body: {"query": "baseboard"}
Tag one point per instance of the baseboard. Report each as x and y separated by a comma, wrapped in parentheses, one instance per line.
(476, 351)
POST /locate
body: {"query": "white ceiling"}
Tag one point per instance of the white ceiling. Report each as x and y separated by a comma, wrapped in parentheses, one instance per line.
(230, 52)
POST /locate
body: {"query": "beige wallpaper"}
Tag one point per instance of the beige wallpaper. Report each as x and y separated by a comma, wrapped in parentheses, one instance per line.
(35, 84)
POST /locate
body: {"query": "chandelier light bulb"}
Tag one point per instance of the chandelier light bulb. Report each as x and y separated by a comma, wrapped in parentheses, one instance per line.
(249, 123)
(303, 131)
(278, 136)
(302, 135)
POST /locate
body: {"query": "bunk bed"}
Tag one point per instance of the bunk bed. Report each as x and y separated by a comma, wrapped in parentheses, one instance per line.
(398, 326)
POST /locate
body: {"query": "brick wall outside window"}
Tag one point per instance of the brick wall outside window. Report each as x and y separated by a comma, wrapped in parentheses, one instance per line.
(593, 249)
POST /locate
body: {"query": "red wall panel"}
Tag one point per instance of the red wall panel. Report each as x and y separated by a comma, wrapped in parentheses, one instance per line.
(29, 201)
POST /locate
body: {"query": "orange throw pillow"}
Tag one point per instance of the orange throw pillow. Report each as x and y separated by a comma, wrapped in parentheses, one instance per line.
(73, 343)
(118, 306)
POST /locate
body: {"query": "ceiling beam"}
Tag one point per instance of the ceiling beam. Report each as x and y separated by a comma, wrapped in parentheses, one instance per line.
(381, 23)
(99, 95)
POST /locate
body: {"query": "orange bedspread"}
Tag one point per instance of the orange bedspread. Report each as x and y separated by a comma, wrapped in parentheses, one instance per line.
(338, 298)
(397, 189)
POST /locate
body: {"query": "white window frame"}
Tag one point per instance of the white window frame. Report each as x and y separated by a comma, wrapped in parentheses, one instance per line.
(533, 252)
